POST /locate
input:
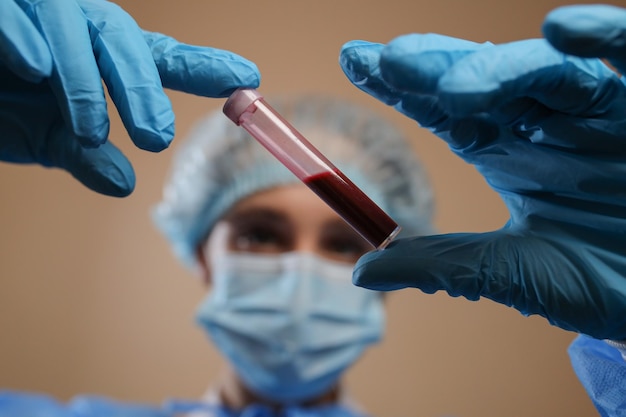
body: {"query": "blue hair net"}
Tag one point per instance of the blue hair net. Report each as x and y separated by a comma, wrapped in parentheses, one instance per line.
(219, 164)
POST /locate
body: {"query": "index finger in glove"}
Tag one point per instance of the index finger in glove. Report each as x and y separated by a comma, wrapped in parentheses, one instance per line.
(22, 48)
(360, 61)
(199, 70)
(130, 74)
(589, 31)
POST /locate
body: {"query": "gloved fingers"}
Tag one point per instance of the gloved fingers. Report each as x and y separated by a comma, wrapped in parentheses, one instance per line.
(485, 81)
(456, 132)
(414, 63)
(589, 31)
(453, 263)
(360, 61)
(203, 71)
(425, 110)
(126, 65)
(22, 49)
(75, 78)
(104, 169)
(525, 272)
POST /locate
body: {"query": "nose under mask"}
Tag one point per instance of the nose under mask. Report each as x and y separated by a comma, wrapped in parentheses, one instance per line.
(289, 324)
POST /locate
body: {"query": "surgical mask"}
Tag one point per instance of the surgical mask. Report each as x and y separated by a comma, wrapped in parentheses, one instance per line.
(289, 324)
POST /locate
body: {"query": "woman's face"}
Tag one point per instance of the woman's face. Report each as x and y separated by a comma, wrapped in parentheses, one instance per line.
(285, 219)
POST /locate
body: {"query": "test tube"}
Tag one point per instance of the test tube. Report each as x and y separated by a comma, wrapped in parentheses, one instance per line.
(247, 108)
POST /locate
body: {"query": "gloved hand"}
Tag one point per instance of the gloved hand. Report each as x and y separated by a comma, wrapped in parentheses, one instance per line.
(548, 133)
(53, 56)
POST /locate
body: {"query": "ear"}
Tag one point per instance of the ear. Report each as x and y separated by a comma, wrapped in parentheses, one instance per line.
(203, 265)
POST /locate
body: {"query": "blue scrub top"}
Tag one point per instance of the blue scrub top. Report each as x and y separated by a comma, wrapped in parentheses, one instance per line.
(602, 371)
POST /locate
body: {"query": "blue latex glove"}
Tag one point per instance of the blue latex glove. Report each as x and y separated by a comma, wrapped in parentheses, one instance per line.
(602, 371)
(54, 55)
(548, 132)
(597, 31)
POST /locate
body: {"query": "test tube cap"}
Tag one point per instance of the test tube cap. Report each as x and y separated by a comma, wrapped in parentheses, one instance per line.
(239, 101)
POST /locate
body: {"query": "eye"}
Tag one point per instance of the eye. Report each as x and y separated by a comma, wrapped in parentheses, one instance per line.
(345, 246)
(261, 238)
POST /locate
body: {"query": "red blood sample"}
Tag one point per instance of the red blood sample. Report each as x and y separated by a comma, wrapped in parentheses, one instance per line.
(369, 220)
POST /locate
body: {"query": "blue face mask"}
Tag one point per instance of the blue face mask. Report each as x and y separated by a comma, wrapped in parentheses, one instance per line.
(289, 324)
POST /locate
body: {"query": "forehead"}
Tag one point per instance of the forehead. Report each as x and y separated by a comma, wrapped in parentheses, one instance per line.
(295, 201)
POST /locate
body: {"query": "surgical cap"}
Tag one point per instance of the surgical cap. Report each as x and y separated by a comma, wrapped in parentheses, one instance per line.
(219, 164)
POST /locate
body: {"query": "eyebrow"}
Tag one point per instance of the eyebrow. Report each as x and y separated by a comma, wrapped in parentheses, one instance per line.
(256, 213)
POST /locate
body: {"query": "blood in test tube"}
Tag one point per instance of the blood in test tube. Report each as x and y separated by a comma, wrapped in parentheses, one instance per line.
(248, 109)
(356, 208)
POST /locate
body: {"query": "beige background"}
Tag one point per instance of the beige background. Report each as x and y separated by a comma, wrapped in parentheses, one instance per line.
(93, 302)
